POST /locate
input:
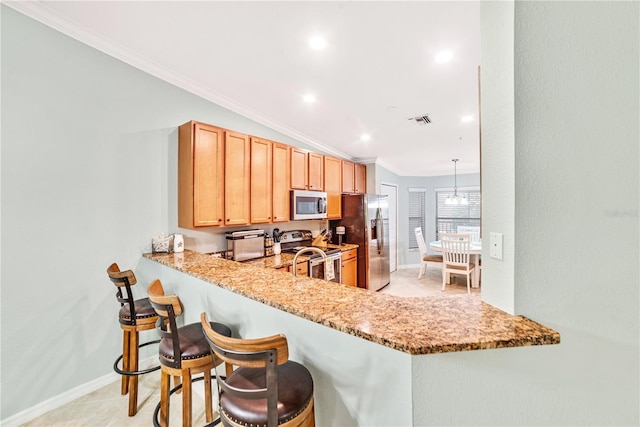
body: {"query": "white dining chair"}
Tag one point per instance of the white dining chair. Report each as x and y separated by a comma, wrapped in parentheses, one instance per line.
(472, 230)
(456, 258)
(424, 256)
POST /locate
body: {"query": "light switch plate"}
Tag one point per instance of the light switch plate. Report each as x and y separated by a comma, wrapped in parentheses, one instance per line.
(495, 248)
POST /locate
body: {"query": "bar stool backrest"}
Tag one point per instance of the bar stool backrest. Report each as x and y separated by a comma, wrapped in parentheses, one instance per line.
(267, 353)
(168, 308)
(123, 281)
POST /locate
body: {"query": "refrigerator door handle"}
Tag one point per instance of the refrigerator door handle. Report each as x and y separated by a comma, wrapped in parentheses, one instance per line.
(380, 225)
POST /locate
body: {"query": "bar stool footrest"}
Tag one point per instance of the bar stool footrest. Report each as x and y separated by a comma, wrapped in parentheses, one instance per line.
(156, 412)
(132, 373)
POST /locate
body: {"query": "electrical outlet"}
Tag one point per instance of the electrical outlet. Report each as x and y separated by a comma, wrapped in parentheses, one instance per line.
(495, 245)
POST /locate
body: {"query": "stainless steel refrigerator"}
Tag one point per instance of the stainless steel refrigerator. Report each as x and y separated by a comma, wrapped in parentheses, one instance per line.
(366, 221)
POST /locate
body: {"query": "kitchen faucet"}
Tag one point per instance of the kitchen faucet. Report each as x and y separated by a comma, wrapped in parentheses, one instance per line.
(301, 251)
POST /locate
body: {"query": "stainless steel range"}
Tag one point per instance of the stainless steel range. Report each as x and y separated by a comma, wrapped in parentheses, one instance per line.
(295, 240)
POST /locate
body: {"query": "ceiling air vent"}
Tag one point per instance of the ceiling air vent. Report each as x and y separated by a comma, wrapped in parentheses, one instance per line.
(421, 120)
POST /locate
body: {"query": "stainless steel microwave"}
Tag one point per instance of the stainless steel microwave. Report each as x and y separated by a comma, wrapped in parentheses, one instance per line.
(308, 204)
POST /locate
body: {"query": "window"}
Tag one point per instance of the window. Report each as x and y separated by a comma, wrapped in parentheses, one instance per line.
(449, 217)
(416, 214)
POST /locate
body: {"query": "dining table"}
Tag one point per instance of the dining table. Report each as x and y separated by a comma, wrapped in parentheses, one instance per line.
(475, 250)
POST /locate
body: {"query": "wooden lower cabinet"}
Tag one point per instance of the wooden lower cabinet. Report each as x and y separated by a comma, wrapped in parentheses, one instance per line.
(303, 268)
(350, 267)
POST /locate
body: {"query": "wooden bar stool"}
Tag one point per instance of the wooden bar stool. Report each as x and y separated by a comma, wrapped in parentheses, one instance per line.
(183, 352)
(134, 316)
(267, 389)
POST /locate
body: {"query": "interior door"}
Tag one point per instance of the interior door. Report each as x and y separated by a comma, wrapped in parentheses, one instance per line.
(391, 190)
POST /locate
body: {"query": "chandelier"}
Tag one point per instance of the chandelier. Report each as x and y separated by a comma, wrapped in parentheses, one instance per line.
(455, 199)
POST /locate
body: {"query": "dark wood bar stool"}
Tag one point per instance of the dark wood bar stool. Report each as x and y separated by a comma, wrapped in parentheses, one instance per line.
(184, 352)
(134, 316)
(267, 389)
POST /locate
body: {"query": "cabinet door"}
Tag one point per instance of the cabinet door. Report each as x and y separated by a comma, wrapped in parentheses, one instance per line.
(348, 184)
(360, 178)
(302, 270)
(333, 186)
(316, 172)
(299, 169)
(200, 175)
(261, 171)
(281, 185)
(350, 268)
(236, 178)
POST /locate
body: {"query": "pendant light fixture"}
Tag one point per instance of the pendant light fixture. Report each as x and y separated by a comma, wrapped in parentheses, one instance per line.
(456, 199)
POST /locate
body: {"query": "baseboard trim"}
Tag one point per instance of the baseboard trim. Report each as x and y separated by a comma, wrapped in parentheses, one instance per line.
(68, 396)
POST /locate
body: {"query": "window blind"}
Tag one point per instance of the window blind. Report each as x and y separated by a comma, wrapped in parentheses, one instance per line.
(449, 217)
(416, 214)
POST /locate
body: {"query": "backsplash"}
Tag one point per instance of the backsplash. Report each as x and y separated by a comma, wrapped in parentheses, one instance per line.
(212, 239)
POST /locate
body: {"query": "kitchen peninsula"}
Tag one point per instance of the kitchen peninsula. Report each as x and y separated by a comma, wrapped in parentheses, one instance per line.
(351, 339)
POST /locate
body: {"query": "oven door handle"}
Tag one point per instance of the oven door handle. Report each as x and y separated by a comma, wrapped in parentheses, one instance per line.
(317, 261)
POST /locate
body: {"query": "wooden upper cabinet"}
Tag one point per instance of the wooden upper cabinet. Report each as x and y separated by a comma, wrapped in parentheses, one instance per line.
(281, 200)
(229, 178)
(348, 183)
(261, 179)
(200, 175)
(237, 178)
(316, 172)
(360, 179)
(299, 168)
(354, 177)
(333, 186)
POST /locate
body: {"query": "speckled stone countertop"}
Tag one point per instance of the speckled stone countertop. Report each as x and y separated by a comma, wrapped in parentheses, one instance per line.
(425, 325)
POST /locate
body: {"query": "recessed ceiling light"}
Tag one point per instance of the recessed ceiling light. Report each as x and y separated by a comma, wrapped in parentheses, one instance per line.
(468, 118)
(444, 56)
(317, 43)
(365, 137)
(309, 98)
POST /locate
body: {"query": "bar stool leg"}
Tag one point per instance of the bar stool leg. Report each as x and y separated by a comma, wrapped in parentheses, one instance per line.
(165, 385)
(125, 361)
(176, 382)
(186, 398)
(133, 379)
(207, 396)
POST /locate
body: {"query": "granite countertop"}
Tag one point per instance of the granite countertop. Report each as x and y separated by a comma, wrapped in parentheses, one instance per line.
(424, 325)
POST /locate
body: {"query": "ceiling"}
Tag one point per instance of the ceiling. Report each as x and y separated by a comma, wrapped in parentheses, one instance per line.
(377, 71)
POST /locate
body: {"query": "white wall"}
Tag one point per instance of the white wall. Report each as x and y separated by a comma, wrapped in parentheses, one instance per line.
(575, 224)
(498, 133)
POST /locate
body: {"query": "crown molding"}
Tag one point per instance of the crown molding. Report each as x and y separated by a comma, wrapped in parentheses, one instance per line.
(379, 162)
(39, 11)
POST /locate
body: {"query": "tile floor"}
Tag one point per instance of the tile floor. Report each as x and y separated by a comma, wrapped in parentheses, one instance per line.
(405, 283)
(106, 407)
